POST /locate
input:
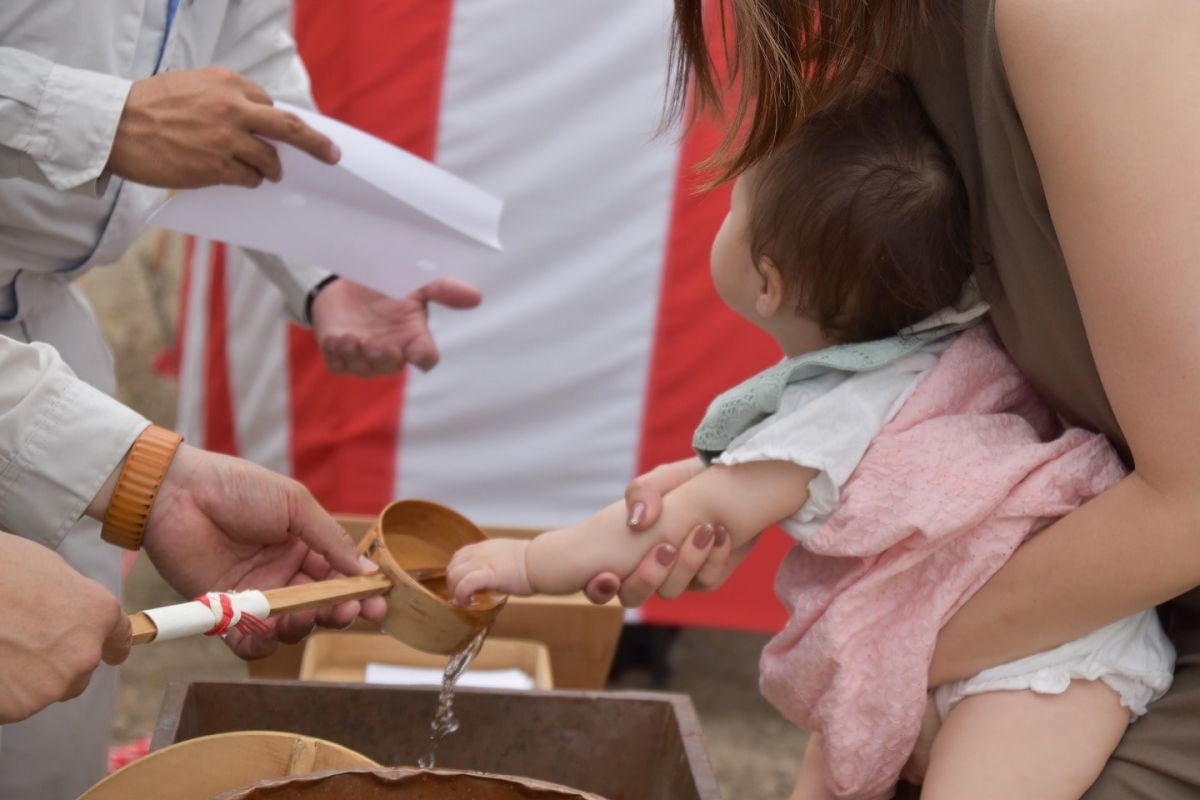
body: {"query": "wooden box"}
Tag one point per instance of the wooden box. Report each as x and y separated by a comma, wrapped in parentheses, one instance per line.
(620, 745)
(343, 657)
(580, 635)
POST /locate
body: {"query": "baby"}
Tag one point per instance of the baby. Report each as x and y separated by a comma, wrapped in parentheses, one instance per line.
(907, 456)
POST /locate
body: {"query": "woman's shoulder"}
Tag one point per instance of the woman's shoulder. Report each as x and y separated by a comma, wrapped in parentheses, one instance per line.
(1057, 32)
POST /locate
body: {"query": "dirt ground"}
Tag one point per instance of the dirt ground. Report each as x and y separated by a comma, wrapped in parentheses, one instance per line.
(753, 750)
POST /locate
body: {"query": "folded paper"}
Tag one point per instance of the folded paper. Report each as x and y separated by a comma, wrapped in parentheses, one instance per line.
(380, 216)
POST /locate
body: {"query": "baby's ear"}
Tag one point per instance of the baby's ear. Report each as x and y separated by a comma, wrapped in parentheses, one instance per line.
(770, 289)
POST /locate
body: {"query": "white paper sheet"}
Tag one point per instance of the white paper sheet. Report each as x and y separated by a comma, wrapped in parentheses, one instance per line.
(394, 675)
(381, 216)
(190, 619)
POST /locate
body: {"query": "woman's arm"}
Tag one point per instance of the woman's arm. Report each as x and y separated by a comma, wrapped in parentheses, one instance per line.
(1107, 93)
(743, 499)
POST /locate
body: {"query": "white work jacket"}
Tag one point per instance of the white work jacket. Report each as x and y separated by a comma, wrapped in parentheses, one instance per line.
(65, 71)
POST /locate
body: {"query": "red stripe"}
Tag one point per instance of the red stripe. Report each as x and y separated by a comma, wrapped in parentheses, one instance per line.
(219, 431)
(377, 65)
(701, 349)
(170, 361)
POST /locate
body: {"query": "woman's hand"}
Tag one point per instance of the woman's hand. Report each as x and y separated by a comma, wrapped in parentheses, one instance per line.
(703, 562)
(221, 523)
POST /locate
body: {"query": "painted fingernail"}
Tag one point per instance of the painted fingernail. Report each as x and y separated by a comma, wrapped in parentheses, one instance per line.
(665, 555)
(703, 537)
(635, 513)
(720, 536)
(607, 587)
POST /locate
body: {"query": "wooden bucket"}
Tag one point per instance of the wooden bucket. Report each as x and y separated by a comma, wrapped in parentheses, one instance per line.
(403, 783)
(202, 768)
(417, 537)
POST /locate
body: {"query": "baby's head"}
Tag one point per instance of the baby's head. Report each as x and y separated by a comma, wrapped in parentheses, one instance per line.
(855, 227)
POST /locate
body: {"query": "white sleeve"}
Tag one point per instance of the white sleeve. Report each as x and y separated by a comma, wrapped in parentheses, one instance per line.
(57, 123)
(255, 41)
(60, 439)
(827, 424)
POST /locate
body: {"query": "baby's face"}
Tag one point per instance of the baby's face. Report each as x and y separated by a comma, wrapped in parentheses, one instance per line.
(732, 265)
(742, 285)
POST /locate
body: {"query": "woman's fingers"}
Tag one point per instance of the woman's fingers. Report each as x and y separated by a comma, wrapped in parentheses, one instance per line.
(712, 572)
(648, 576)
(689, 562)
(644, 494)
(643, 503)
(602, 588)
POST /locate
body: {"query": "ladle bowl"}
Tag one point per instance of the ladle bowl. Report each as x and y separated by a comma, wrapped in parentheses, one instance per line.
(413, 541)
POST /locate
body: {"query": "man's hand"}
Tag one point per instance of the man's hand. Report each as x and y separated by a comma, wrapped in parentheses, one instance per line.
(221, 523)
(58, 626)
(363, 332)
(193, 128)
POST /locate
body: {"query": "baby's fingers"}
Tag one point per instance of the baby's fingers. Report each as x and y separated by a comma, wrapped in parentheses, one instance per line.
(459, 567)
(476, 581)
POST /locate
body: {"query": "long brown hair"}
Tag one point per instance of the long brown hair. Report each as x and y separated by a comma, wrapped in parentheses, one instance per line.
(786, 59)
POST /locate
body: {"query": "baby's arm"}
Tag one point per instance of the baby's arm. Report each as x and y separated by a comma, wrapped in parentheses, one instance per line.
(745, 498)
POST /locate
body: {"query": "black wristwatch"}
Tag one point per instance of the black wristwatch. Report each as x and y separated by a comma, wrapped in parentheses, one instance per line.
(312, 295)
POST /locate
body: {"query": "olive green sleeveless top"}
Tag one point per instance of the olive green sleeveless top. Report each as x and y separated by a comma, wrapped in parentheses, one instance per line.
(962, 84)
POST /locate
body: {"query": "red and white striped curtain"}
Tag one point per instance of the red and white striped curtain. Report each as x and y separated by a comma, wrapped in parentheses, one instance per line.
(600, 341)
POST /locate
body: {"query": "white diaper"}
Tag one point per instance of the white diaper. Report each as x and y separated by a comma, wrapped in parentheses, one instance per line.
(1133, 656)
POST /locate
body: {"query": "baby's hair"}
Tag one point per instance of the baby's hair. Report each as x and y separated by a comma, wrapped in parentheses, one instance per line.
(864, 212)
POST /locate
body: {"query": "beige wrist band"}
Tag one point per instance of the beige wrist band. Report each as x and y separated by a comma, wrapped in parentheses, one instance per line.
(143, 473)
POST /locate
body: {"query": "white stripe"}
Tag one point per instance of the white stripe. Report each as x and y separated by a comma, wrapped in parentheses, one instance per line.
(533, 417)
(193, 386)
(258, 364)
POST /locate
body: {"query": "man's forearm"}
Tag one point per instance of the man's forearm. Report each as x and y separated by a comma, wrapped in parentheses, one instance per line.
(57, 123)
(60, 440)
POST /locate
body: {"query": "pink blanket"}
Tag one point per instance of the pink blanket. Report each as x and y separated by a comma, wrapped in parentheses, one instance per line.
(971, 466)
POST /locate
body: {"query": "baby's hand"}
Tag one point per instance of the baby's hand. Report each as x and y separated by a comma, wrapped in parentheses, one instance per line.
(495, 565)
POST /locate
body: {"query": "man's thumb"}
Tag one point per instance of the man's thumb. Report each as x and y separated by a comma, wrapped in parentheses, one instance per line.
(118, 641)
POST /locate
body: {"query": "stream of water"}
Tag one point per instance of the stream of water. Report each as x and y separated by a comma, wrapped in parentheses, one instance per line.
(444, 722)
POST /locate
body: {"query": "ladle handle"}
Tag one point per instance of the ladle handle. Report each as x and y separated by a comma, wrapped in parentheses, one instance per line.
(319, 594)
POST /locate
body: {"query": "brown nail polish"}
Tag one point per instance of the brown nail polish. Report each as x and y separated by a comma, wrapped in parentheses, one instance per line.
(665, 555)
(703, 537)
(721, 536)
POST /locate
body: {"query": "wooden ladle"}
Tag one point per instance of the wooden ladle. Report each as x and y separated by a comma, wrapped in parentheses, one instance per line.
(412, 542)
